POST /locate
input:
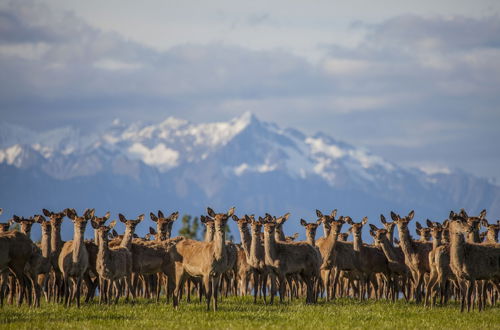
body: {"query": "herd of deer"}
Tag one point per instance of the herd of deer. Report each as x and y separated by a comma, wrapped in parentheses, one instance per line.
(456, 263)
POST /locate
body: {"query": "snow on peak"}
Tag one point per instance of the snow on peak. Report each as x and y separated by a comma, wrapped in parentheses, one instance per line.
(160, 156)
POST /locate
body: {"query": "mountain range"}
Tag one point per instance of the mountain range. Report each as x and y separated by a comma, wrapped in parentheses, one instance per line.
(254, 165)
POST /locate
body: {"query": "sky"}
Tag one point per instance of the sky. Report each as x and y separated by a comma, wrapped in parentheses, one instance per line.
(416, 82)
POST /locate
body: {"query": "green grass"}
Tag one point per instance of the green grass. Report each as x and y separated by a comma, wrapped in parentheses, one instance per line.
(240, 312)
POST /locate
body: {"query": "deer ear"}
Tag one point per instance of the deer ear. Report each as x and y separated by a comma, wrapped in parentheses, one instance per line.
(247, 218)
(286, 216)
(334, 213)
(107, 215)
(160, 214)
(140, 217)
(210, 212)
(231, 211)
(152, 231)
(90, 214)
(39, 218)
(364, 221)
(295, 235)
(394, 216)
(303, 222)
(319, 214)
(70, 213)
(174, 216)
(373, 227)
(122, 218)
(396, 241)
(153, 216)
(446, 224)
(452, 214)
(418, 225)
(46, 212)
(94, 224)
(382, 219)
(16, 218)
(235, 218)
(482, 215)
(429, 223)
(112, 224)
(348, 220)
(411, 215)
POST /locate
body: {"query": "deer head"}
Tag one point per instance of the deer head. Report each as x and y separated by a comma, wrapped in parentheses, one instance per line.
(310, 228)
(103, 230)
(379, 235)
(424, 233)
(80, 222)
(26, 223)
(164, 224)
(402, 223)
(55, 219)
(220, 220)
(44, 224)
(356, 228)
(326, 220)
(131, 223)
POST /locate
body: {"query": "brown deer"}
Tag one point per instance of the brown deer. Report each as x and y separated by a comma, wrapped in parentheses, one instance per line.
(206, 260)
(113, 265)
(491, 234)
(310, 230)
(16, 251)
(436, 231)
(44, 271)
(422, 232)
(291, 258)
(56, 244)
(471, 261)
(395, 257)
(370, 260)
(416, 253)
(26, 224)
(74, 259)
(164, 225)
(389, 227)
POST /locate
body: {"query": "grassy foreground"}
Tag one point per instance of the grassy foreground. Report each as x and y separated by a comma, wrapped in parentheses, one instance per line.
(240, 312)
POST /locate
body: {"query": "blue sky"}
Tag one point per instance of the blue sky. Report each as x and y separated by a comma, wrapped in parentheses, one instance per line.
(415, 82)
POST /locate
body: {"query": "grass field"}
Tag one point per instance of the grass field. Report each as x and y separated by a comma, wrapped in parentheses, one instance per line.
(240, 312)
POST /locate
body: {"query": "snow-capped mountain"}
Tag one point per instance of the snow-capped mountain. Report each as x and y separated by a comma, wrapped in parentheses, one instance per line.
(255, 165)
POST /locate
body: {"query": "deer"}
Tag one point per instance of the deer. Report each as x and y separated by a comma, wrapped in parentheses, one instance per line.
(310, 230)
(44, 271)
(26, 224)
(491, 234)
(244, 268)
(395, 257)
(16, 251)
(291, 258)
(56, 244)
(370, 260)
(113, 265)
(416, 253)
(389, 227)
(74, 259)
(206, 260)
(422, 232)
(471, 261)
(163, 225)
(436, 231)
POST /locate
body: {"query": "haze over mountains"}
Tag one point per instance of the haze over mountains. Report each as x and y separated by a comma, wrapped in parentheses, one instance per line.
(254, 165)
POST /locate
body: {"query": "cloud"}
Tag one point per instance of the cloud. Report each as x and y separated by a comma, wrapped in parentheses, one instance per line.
(413, 86)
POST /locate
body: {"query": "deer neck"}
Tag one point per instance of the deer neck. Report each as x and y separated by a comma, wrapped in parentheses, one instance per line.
(127, 238)
(209, 234)
(436, 241)
(168, 233)
(255, 247)
(26, 230)
(55, 238)
(457, 248)
(405, 241)
(78, 243)
(390, 236)
(278, 234)
(45, 243)
(270, 248)
(311, 238)
(162, 235)
(389, 250)
(357, 243)
(326, 230)
(219, 244)
(473, 237)
(246, 240)
(103, 249)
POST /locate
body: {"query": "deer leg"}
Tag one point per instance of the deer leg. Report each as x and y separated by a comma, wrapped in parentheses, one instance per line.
(215, 290)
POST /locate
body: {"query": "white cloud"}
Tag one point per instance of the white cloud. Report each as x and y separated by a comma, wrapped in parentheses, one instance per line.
(160, 156)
